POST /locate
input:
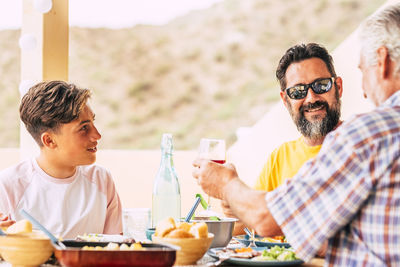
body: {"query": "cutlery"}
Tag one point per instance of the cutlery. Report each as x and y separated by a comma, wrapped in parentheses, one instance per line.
(252, 243)
(193, 209)
(221, 258)
(2, 232)
(53, 239)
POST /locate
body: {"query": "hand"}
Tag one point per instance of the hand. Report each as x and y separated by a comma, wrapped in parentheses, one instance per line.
(238, 229)
(322, 250)
(212, 177)
(227, 209)
(5, 220)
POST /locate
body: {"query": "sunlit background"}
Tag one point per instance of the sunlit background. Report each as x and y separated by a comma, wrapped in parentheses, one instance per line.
(192, 68)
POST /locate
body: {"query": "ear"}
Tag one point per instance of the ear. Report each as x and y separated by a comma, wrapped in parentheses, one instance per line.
(383, 62)
(339, 85)
(48, 140)
(283, 97)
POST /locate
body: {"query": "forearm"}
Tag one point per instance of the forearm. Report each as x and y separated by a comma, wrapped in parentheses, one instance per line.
(250, 207)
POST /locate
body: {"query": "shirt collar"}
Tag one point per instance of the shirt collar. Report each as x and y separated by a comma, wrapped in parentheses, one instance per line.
(394, 100)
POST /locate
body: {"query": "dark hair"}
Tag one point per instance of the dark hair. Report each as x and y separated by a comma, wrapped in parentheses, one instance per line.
(299, 53)
(49, 104)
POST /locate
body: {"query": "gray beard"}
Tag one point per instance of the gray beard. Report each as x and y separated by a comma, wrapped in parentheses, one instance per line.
(317, 129)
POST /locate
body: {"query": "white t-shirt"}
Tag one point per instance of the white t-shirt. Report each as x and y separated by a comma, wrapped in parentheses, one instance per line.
(87, 202)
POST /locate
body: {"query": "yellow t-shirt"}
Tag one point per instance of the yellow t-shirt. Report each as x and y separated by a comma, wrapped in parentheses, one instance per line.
(284, 162)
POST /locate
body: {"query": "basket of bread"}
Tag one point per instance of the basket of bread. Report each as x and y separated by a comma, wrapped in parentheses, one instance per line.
(192, 238)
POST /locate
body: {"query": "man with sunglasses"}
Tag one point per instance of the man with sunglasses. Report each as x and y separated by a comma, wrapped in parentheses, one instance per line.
(311, 92)
(349, 194)
(306, 76)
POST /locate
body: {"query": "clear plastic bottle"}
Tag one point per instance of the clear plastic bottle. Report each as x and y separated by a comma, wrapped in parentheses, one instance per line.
(166, 200)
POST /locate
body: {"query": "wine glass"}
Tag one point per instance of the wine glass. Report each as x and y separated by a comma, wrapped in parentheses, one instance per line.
(214, 150)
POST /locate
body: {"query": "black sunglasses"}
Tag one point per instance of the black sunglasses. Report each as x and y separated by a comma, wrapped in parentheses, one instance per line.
(319, 86)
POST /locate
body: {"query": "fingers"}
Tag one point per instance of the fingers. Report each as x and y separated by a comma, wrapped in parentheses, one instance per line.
(6, 223)
(198, 164)
(3, 217)
(5, 220)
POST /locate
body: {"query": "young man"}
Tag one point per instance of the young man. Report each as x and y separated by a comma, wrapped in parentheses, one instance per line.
(60, 188)
(315, 110)
(349, 194)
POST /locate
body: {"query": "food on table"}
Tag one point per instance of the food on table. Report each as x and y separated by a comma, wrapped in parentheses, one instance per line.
(20, 227)
(165, 226)
(243, 253)
(179, 233)
(185, 226)
(104, 238)
(199, 230)
(115, 246)
(274, 239)
(168, 228)
(276, 253)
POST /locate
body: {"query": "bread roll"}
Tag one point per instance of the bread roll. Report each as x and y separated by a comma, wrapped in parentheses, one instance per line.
(165, 226)
(179, 233)
(199, 230)
(185, 226)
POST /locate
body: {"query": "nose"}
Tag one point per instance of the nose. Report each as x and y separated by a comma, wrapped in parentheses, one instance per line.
(96, 134)
(311, 96)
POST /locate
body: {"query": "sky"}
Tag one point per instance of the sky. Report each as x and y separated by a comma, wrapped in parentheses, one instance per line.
(110, 13)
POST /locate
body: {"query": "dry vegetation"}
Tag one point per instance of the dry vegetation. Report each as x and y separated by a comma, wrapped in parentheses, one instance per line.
(201, 75)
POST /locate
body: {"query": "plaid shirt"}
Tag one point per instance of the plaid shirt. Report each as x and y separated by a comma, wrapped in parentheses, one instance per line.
(349, 194)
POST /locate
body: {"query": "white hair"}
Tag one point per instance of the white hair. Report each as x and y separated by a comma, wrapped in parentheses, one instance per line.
(382, 29)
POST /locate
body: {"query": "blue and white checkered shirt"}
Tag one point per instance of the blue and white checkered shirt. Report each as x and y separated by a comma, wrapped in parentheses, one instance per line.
(349, 194)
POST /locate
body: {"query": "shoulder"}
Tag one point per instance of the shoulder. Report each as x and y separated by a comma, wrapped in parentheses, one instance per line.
(282, 151)
(95, 171)
(287, 146)
(376, 124)
(17, 174)
(14, 181)
(98, 175)
(361, 132)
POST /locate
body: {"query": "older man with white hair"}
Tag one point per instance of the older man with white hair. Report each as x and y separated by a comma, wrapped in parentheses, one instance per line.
(350, 193)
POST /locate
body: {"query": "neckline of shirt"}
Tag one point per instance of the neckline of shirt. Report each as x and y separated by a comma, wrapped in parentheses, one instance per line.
(310, 148)
(52, 179)
(393, 100)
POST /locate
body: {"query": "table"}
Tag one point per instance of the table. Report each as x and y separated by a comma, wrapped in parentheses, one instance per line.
(316, 262)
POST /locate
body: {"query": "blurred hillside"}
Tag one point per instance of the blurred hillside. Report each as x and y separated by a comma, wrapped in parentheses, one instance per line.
(201, 75)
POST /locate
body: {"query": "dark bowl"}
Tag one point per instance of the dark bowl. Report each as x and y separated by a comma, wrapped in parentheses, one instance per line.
(152, 254)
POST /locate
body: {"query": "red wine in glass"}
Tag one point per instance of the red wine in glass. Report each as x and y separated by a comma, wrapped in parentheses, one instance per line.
(219, 161)
(212, 149)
